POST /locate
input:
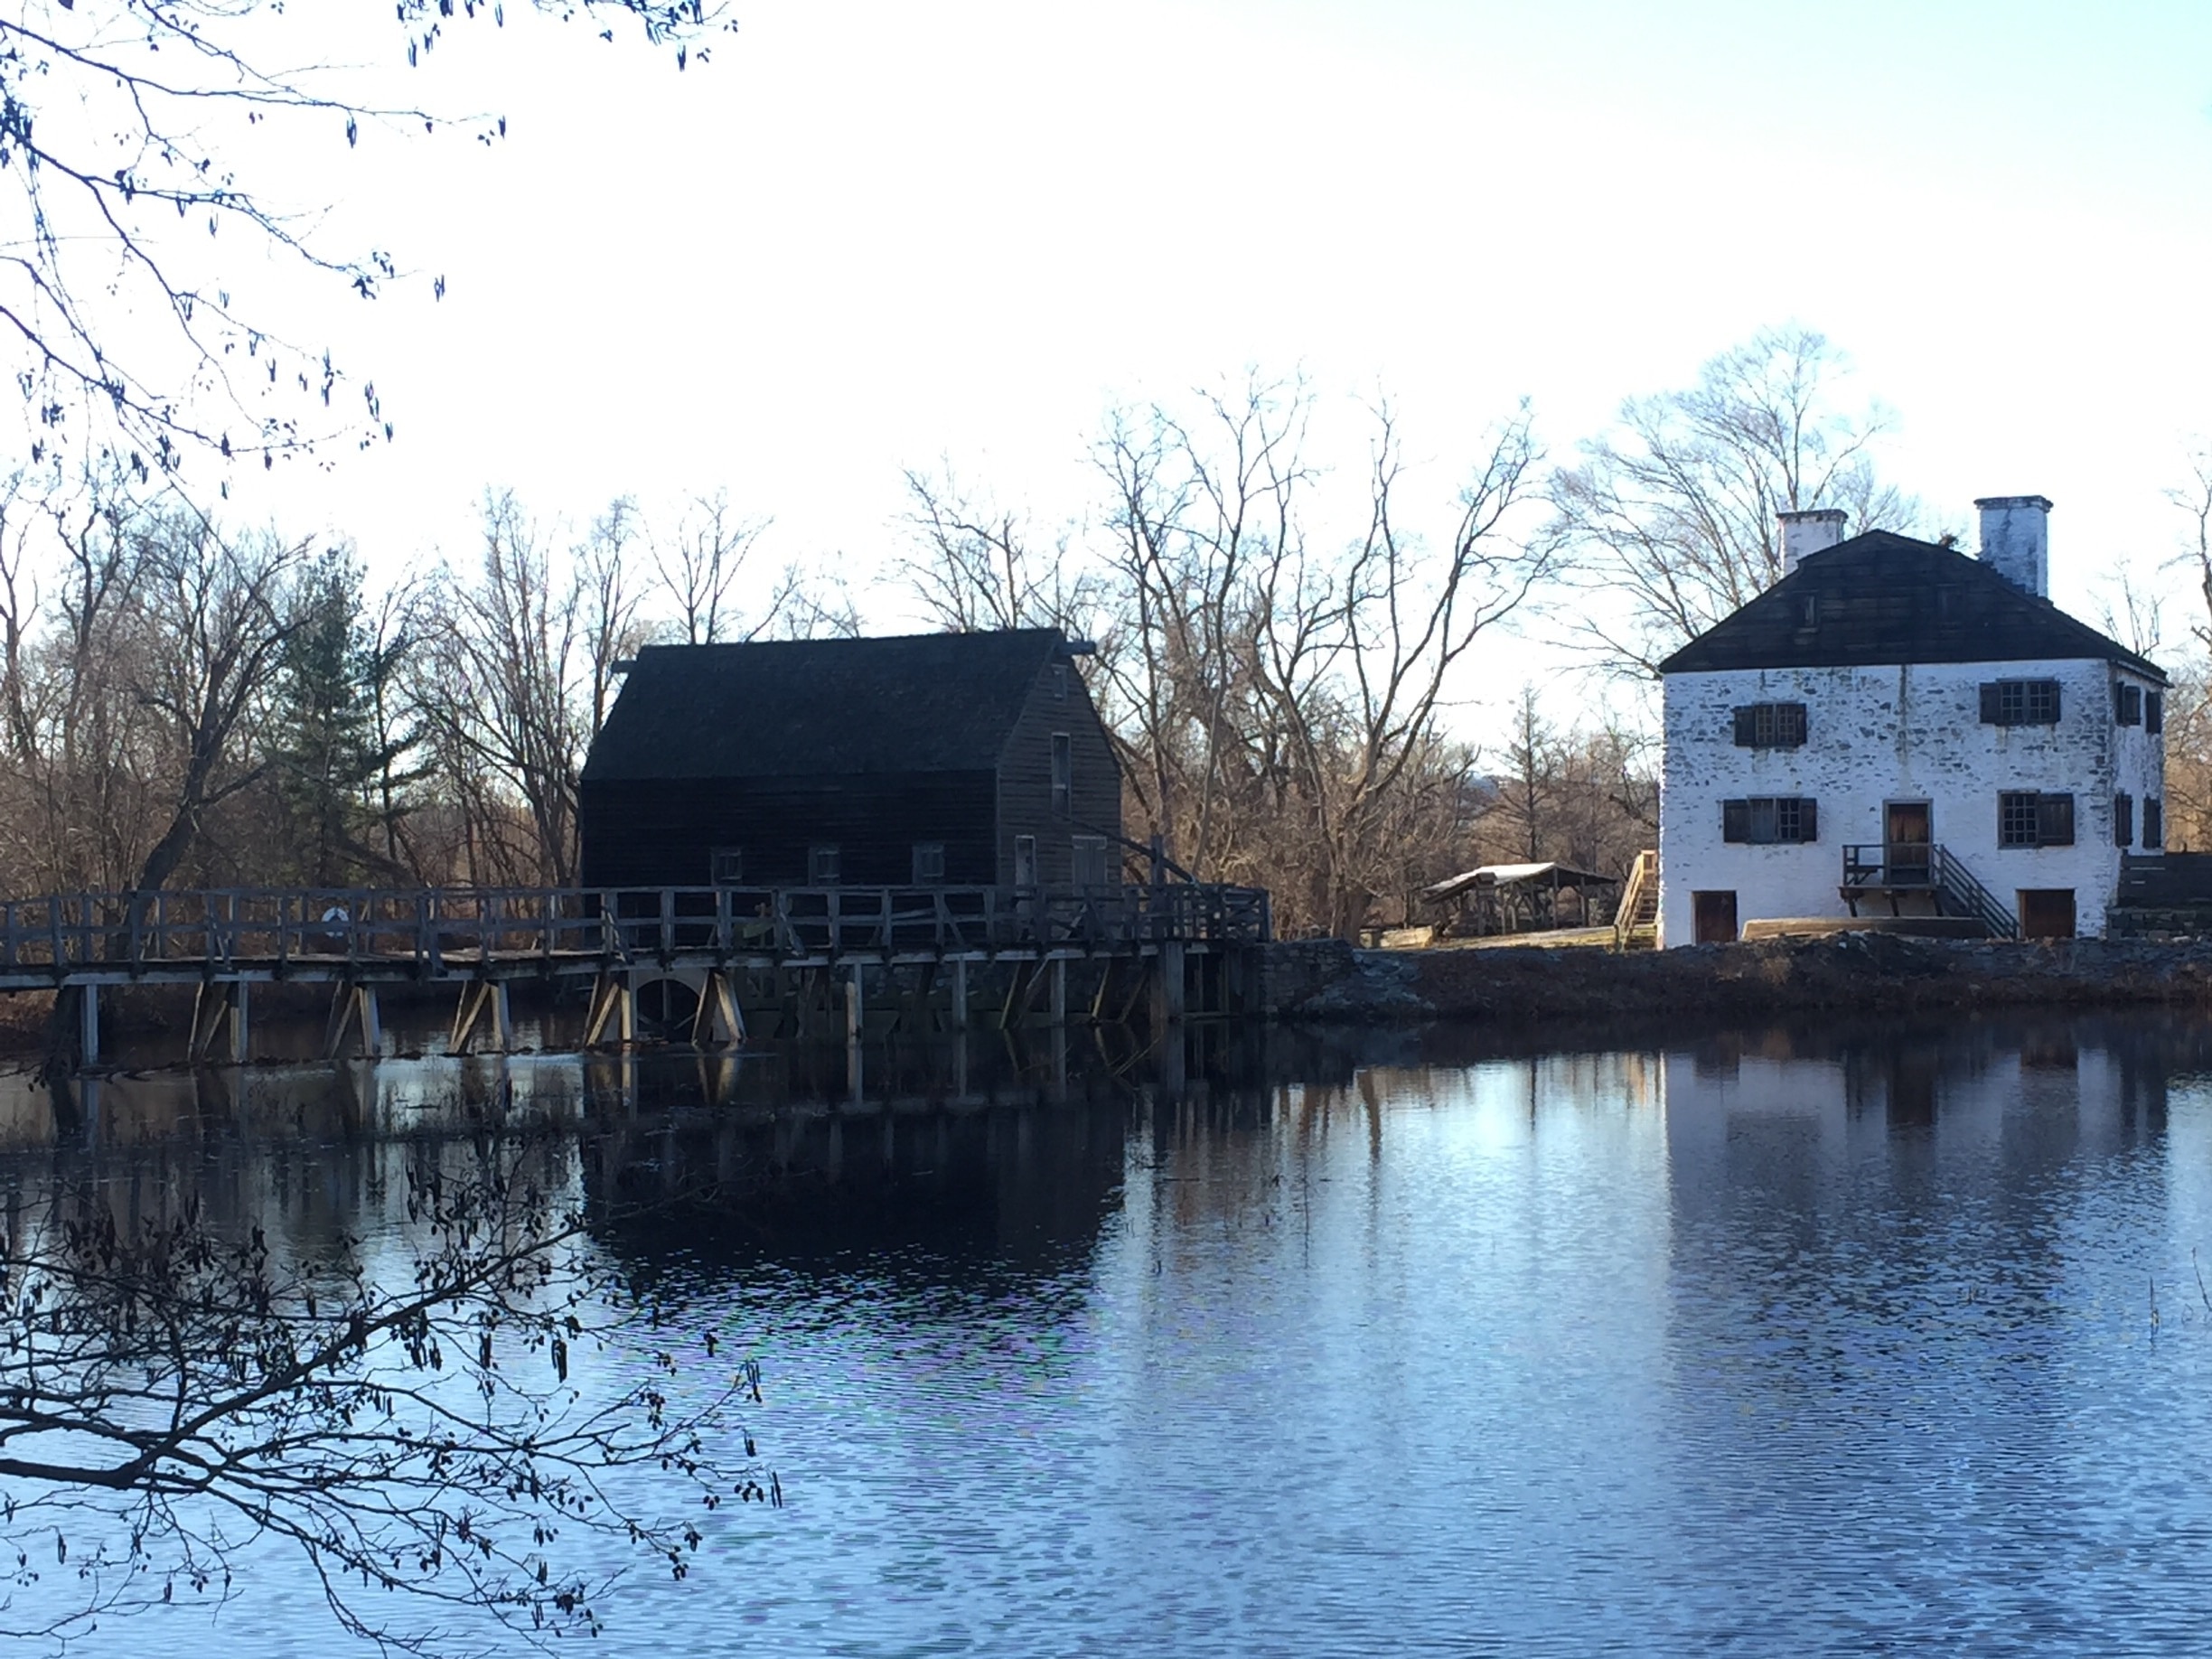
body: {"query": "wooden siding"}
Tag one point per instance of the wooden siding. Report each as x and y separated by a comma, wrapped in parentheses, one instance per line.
(659, 833)
(1024, 781)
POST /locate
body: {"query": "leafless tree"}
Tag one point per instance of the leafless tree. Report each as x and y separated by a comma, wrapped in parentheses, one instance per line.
(976, 565)
(129, 132)
(1670, 516)
(700, 562)
(467, 1424)
(1277, 693)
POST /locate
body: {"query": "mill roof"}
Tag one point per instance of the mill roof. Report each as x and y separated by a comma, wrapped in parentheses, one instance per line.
(928, 702)
(1882, 598)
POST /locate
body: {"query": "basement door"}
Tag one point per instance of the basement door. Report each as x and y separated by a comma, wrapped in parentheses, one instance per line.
(2046, 913)
(1715, 914)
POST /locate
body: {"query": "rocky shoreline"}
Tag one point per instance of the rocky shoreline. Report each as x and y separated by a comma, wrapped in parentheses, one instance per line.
(1327, 981)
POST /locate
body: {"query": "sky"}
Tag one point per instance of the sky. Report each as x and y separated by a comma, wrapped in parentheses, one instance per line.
(865, 238)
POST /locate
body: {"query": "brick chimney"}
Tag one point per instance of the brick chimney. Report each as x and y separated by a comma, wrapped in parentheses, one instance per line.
(1813, 530)
(2016, 539)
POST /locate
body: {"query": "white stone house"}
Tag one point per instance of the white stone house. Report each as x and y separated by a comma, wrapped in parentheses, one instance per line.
(1897, 728)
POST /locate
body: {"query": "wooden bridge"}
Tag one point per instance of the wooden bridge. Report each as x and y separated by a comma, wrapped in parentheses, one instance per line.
(485, 940)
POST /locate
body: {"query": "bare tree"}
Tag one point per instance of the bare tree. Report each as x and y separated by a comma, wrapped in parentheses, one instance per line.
(127, 131)
(1278, 698)
(700, 561)
(464, 1425)
(1670, 516)
(975, 564)
(500, 692)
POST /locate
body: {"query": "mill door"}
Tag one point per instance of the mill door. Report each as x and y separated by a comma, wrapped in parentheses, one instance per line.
(1715, 915)
(1907, 834)
(1024, 861)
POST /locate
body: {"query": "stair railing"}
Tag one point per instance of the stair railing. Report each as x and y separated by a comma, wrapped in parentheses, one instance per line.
(1642, 884)
(1958, 884)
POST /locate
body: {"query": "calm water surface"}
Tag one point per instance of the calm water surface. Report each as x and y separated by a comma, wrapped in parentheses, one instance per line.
(1821, 1341)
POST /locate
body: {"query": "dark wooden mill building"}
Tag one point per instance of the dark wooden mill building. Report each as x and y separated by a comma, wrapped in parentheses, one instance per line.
(955, 759)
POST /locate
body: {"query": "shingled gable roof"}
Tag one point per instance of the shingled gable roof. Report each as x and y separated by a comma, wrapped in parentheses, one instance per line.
(1881, 598)
(931, 702)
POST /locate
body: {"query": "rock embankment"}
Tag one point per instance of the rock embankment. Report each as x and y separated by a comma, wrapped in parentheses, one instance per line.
(1328, 981)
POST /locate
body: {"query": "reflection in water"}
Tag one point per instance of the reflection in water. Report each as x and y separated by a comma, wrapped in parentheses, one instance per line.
(1834, 1340)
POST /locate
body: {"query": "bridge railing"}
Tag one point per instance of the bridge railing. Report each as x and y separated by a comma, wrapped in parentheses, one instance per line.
(440, 931)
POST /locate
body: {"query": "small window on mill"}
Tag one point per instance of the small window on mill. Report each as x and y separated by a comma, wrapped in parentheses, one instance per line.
(824, 865)
(2020, 702)
(929, 863)
(728, 866)
(2127, 704)
(1770, 725)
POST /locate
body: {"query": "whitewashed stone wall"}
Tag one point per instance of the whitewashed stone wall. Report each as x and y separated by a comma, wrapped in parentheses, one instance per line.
(1897, 733)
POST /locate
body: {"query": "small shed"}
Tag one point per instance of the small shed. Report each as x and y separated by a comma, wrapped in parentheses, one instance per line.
(962, 759)
(1514, 898)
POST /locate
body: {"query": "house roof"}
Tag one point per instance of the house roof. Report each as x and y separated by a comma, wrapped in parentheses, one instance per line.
(929, 702)
(1882, 598)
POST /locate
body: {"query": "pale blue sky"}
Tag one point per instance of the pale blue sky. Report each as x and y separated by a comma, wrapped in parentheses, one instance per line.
(870, 234)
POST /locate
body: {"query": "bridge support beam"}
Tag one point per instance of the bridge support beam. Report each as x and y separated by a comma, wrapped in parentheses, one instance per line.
(1167, 986)
(354, 1007)
(1059, 992)
(214, 1006)
(485, 997)
(960, 993)
(852, 1005)
(613, 1002)
(718, 1019)
(87, 1024)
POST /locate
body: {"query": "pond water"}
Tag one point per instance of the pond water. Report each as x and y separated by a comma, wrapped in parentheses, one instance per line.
(1833, 1342)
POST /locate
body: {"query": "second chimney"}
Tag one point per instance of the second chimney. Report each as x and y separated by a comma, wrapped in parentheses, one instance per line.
(1813, 530)
(2016, 539)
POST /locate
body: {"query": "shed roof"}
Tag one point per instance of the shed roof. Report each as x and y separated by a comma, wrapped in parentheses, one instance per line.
(1882, 598)
(925, 702)
(1517, 875)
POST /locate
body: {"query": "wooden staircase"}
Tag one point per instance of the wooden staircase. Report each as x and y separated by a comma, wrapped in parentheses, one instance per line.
(1636, 924)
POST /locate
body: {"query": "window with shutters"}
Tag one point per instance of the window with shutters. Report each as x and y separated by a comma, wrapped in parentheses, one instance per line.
(2026, 818)
(1762, 819)
(824, 862)
(1770, 725)
(2020, 702)
(728, 866)
(2154, 824)
(928, 863)
(2123, 819)
(2154, 712)
(2127, 704)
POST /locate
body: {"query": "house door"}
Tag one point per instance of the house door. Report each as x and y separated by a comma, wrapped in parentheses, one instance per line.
(1716, 917)
(1024, 861)
(1907, 827)
(2046, 913)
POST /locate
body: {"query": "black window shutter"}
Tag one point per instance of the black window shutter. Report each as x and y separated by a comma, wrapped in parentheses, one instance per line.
(2123, 819)
(2055, 821)
(1735, 821)
(1992, 713)
(1808, 819)
(2154, 712)
(2154, 824)
(1747, 728)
